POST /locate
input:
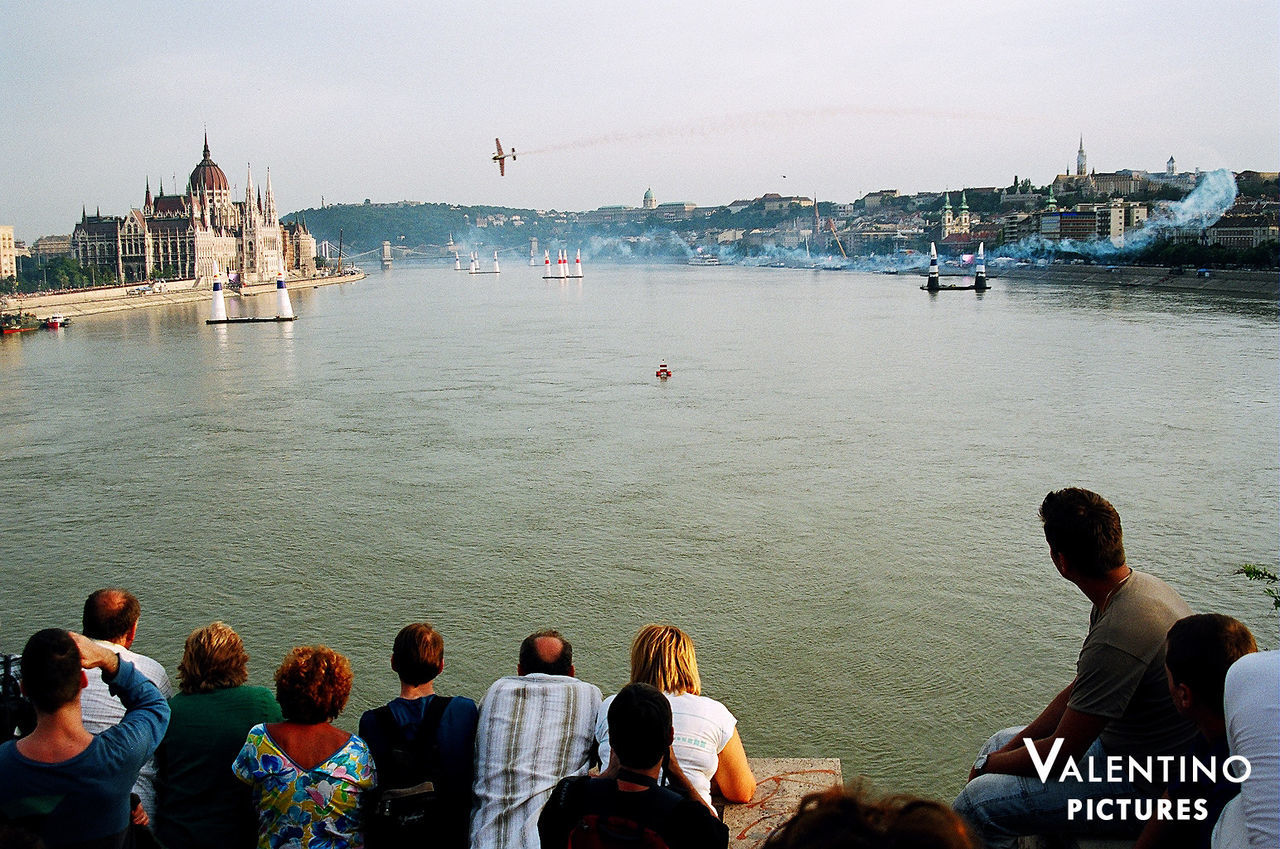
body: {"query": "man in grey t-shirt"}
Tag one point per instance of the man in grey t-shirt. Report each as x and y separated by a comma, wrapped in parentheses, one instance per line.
(1117, 704)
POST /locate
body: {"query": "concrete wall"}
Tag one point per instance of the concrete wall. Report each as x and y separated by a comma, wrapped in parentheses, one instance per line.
(1257, 284)
(112, 299)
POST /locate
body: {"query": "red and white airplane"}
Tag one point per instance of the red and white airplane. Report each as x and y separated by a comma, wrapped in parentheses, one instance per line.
(500, 158)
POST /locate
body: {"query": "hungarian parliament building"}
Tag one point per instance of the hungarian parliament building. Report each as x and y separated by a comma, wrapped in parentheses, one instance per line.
(199, 234)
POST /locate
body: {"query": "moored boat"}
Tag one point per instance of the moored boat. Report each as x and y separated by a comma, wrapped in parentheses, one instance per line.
(15, 322)
(55, 321)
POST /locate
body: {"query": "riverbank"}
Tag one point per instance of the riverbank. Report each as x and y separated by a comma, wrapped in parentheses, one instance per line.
(1244, 282)
(77, 304)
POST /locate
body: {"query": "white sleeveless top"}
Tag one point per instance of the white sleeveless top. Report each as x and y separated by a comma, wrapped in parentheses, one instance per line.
(703, 727)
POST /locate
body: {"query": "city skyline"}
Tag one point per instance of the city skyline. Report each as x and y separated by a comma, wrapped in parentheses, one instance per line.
(703, 106)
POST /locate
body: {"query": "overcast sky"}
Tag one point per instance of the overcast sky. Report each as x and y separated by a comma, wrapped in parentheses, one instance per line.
(703, 102)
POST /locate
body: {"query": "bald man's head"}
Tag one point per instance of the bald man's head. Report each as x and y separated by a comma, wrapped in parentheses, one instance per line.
(546, 651)
(111, 614)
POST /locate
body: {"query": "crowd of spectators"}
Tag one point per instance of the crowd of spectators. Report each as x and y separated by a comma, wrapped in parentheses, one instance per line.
(116, 758)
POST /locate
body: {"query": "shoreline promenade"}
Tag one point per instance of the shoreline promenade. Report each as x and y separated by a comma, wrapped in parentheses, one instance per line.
(75, 304)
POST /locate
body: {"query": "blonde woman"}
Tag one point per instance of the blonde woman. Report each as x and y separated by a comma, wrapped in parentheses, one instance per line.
(707, 745)
(199, 803)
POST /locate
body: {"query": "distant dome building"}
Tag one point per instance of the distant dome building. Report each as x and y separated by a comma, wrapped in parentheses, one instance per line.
(650, 202)
(210, 187)
(207, 176)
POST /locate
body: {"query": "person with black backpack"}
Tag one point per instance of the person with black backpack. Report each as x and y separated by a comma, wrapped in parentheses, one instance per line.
(625, 806)
(423, 746)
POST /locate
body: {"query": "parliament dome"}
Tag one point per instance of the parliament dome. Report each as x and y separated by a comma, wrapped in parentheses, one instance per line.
(207, 176)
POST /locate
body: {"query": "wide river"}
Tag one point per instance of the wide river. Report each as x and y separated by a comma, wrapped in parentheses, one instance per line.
(835, 494)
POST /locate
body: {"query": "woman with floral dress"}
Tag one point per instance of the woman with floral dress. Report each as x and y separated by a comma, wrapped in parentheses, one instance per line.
(307, 776)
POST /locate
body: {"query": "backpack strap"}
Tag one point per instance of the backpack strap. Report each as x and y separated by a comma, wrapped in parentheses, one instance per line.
(427, 738)
(386, 722)
(423, 749)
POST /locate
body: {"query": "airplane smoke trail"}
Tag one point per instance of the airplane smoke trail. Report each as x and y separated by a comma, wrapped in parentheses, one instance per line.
(719, 125)
(1201, 208)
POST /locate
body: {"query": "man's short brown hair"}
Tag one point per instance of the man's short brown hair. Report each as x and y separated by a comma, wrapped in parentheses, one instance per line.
(1200, 650)
(110, 613)
(1083, 527)
(50, 669)
(850, 819)
(418, 654)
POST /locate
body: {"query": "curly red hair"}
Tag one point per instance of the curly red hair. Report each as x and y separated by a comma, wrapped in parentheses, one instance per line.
(312, 684)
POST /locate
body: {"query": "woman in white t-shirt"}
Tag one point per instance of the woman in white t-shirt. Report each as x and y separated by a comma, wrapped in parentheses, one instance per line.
(707, 745)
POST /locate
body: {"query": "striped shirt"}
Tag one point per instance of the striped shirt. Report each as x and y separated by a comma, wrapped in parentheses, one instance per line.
(534, 730)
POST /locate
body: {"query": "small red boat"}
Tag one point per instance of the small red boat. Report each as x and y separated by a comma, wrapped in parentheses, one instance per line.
(663, 371)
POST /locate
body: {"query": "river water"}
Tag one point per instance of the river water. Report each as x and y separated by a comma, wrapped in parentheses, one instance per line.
(835, 493)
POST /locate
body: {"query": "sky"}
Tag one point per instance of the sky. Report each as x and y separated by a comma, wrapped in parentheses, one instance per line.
(702, 102)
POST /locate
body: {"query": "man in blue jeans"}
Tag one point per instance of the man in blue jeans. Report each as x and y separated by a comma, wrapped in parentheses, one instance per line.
(1117, 705)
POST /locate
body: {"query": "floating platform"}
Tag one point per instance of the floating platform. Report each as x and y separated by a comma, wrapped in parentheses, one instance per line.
(953, 288)
(248, 319)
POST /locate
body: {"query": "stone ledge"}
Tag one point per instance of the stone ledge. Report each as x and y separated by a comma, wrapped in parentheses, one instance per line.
(780, 784)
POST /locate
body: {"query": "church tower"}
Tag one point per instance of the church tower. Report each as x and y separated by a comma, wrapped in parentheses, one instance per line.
(1082, 168)
(948, 219)
(963, 224)
(269, 211)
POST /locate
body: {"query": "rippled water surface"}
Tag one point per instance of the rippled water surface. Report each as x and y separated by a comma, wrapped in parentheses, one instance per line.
(835, 494)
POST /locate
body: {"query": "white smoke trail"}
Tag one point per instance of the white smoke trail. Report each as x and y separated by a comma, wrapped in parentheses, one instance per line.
(1206, 203)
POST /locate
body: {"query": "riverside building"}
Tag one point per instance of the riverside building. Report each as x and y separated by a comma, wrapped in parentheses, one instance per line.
(200, 233)
(8, 256)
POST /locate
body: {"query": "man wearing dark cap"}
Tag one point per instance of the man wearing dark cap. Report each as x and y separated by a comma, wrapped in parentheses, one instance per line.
(625, 802)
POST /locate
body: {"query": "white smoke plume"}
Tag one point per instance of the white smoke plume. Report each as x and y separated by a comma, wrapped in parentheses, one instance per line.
(1206, 203)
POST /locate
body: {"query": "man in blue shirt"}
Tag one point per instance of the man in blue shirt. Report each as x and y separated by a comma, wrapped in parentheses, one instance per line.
(61, 782)
(393, 734)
